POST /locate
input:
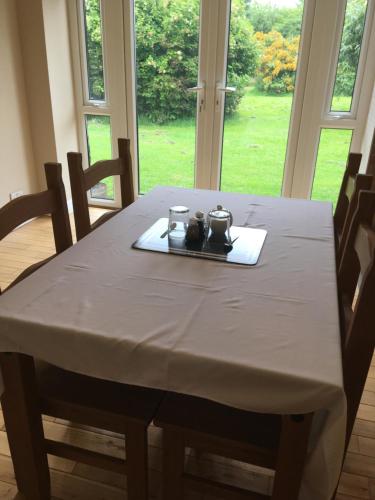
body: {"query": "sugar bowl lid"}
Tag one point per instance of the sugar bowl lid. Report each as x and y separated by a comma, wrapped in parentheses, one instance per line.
(220, 213)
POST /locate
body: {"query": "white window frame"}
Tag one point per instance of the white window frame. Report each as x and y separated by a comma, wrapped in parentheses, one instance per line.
(318, 55)
(114, 106)
(316, 114)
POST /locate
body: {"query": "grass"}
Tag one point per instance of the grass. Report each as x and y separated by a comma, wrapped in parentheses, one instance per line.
(254, 147)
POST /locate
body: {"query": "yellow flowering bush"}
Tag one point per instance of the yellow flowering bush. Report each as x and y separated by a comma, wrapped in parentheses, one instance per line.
(278, 62)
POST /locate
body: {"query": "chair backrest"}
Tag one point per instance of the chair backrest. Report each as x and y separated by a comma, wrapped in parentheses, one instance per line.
(352, 169)
(82, 180)
(354, 186)
(52, 201)
(371, 160)
(357, 274)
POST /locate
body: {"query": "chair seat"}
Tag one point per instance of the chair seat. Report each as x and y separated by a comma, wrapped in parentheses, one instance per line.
(93, 401)
(103, 218)
(220, 421)
(30, 270)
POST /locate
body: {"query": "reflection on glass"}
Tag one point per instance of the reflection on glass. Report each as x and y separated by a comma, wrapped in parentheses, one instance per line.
(94, 49)
(98, 130)
(350, 51)
(334, 147)
(167, 39)
(262, 63)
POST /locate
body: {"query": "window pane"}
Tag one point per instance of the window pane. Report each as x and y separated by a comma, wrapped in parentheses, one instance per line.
(334, 147)
(350, 50)
(262, 62)
(98, 130)
(94, 49)
(167, 46)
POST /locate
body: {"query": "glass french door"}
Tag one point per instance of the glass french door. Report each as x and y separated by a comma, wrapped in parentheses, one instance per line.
(207, 114)
(249, 129)
(257, 115)
(224, 94)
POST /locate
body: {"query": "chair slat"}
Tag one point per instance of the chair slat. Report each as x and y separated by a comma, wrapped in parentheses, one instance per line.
(88, 457)
(25, 208)
(102, 169)
(216, 489)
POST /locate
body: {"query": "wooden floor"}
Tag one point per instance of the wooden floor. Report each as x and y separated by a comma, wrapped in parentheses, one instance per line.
(73, 481)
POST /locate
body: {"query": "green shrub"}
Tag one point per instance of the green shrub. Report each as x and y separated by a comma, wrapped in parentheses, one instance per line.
(350, 47)
(278, 62)
(94, 49)
(167, 57)
(243, 55)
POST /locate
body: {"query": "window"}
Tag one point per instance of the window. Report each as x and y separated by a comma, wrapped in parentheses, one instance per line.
(349, 55)
(334, 148)
(100, 86)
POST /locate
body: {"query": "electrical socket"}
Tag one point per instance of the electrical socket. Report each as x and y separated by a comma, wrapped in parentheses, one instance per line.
(15, 194)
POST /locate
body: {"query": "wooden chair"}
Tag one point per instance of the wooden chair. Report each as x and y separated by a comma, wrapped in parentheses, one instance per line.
(33, 387)
(82, 180)
(356, 283)
(347, 201)
(371, 159)
(53, 202)
(272, 441)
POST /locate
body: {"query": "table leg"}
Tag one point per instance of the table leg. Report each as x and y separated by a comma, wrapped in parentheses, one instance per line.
(24, 427)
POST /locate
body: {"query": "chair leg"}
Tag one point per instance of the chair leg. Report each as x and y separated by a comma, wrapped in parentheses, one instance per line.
(136, 461)
(24, 427)
(291, 456)
(173, 465)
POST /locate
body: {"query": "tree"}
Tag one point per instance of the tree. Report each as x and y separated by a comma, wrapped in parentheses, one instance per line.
(243, 55)
(278, 62)
(167, 35)
(94, 49)
(268, 17)
(350, 49)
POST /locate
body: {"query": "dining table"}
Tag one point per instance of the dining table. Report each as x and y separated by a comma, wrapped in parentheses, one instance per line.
(263, 338)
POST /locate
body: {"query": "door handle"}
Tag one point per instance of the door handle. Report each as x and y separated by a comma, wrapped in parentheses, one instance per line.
(195, 89)
(202, 98)
(227, 90)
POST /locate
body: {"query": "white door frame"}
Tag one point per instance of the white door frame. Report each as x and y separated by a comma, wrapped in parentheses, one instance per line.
(319, 47)
(115, 104)
(320, 79)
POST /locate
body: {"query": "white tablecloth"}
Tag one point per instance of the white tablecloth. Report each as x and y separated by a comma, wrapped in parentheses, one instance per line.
(263, 338)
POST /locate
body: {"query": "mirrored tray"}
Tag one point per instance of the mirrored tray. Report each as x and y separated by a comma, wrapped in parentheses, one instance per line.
(246, 247)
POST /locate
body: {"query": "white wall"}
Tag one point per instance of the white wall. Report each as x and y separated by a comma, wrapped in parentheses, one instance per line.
(45, 47)
(60, 72)
(17, 168)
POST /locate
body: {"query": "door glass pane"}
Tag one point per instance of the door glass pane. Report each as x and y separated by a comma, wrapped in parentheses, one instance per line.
(262, 61)
(94, 49)
(167, 39)
(350, 50)
(98, 130)
(334, 148)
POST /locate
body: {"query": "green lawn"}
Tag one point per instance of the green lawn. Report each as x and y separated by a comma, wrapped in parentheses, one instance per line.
(254, 148)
